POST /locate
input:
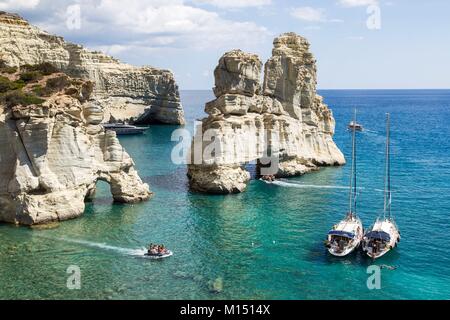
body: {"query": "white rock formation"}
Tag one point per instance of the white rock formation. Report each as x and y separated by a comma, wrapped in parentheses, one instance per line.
(52, 155)
(285, 121)
(125, 92)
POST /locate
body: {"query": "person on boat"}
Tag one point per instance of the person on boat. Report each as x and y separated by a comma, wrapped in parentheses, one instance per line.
(269, 177)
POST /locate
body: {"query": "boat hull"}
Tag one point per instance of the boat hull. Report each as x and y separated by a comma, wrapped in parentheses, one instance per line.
(161, 256)
(382, 227)
(346, 252)
(128, 132)
(352, 231)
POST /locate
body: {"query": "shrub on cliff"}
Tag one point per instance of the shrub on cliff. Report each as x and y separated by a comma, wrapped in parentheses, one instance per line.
(7, 85)
(15, 98)
(38, 90)
(5, 68)
(30, 76)
(44, 68)
(57, 83)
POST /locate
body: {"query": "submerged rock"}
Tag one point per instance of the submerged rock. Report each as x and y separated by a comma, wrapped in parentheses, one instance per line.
(283, 123)
(53, 151)
(125, 92)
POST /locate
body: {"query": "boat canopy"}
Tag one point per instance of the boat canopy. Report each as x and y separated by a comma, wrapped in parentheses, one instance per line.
(341, 233)
(378, 235)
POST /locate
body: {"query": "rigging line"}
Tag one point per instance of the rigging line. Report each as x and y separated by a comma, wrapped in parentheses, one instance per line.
(386, 174)
(354, 167)
(352, 177)
(389, 165)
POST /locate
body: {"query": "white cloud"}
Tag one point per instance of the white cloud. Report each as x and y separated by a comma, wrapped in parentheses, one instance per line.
(357, 3)
(309, 14)
(355, 38)
(151, 24)
(235, 3)
(312, 28)
(12, 5)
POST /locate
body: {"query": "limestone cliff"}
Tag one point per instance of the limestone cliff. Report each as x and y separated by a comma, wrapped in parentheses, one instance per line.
(284, 123)
(125, 92)
(53, 149)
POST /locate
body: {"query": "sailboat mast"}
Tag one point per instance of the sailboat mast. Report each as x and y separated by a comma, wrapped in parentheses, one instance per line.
(387, 177)
(352, 196)
(354, 167)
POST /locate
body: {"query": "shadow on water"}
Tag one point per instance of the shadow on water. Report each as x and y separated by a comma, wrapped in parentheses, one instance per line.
(176, 181)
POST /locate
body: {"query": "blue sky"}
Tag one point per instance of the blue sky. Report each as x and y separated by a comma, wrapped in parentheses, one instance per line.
(411, 49)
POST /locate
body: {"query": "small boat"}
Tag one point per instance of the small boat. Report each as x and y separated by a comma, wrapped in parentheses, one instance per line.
(353, 125)
(162, 255)
(384, 235)
(124, 129)
(268, 178)
(347, 235)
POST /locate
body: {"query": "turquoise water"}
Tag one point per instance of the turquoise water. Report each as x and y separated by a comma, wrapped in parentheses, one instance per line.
(265, 243)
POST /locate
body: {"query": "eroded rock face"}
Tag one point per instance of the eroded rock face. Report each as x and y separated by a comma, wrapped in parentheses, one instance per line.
(284, 126)
(125, 92)
(237, 73)
(52, 154)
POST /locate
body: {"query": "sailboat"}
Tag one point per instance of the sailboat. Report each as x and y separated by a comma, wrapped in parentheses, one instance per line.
(347, 235)
(384, 235)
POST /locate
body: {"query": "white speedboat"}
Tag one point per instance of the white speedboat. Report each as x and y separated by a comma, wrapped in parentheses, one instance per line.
(384, 235)
(353, 125)
(347, 235)
(163, 255)
(124, 129)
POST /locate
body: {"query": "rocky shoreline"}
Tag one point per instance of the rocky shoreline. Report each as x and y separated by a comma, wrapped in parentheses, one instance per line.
(53, 149)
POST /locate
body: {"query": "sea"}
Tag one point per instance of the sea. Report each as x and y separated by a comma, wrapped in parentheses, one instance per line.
(264, 243)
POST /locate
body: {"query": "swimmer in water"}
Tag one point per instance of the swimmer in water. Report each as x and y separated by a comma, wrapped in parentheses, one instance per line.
(384, 266)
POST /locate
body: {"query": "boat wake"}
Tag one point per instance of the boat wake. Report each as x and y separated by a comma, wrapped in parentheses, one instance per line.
(103, 246)
(303, 186)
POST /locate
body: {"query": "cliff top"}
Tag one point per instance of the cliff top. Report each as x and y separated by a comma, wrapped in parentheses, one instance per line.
(291, 44)
(12, 18)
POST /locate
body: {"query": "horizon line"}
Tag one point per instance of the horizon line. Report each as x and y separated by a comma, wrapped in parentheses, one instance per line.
(355, 89)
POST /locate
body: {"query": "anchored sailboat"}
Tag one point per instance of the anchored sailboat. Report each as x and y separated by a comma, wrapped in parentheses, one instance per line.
(384, 234)
(346, 236)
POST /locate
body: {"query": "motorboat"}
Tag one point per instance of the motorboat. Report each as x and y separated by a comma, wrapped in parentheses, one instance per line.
(353, 125)
(124, 129)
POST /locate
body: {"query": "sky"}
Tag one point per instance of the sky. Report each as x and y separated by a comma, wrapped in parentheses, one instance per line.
(359, 44)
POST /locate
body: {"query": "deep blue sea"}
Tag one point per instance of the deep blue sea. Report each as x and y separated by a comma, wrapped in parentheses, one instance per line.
(266, 243)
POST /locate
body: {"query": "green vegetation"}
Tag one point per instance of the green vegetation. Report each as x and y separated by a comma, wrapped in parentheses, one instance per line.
(6, 69)
(38, 90)
(8, 85)
(11, 93)
(9, 70)
(31, 76)
(44, 68)
(17, 97)
(57, 83)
